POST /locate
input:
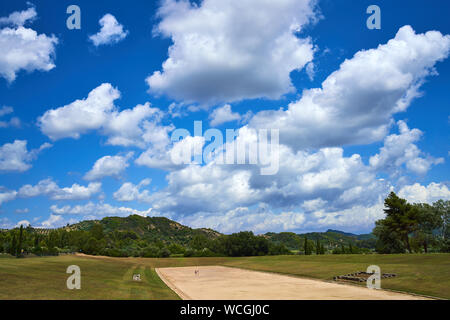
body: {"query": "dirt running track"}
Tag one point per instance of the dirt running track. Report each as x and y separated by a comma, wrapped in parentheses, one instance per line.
(222, 283)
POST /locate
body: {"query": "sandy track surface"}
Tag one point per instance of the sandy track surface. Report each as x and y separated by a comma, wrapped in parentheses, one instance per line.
(223, 283)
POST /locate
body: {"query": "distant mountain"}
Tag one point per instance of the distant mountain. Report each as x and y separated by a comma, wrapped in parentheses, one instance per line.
(342, 232)
(357, 236)
(330, 238)
(147, 228)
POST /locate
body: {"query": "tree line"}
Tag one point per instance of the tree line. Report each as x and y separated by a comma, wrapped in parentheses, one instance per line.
(407, 227)
(24, 241)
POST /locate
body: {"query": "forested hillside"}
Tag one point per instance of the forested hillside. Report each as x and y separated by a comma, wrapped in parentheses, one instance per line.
(332, 240)
(151, 229)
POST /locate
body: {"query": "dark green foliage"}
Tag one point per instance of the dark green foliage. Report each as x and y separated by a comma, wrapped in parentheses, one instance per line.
(244, 244)
(175, 248)
(278, 249)
(291, 240)
(412, 227)
(428, 221)
(136, 236)
(328, 240)
(401, 217)
(307, 247)
(443, 208)
(164, 252)
(20, 243)
(198, 242)
(13, 248)
(97, 231)
(151, 251)
(388, 241)
(320, 249)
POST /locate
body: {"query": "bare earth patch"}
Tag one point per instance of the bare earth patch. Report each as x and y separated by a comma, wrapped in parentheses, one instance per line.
(223, 283)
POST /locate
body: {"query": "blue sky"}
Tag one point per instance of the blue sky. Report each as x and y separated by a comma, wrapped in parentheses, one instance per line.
(352, 127)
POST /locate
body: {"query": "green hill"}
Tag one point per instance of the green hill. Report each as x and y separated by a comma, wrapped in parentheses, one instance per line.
(150, 229)
(160, 229)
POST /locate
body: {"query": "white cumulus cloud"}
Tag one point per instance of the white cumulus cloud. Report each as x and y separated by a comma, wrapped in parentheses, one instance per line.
(49, 188)
(355, 103)
(111, 31)
(13, 122)
(7, 195)
(96, 210)
(112, 166)
(80, 116)
(140, 126)
(425, 194)
(222, 115)
(131, 192)
(19, 18)
(226, 51)
(53, 221)
(15, 156)
(399, 150)
(23, 48)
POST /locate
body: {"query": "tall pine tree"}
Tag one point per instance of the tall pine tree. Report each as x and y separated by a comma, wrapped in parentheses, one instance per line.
(401, 217)
(306, 247)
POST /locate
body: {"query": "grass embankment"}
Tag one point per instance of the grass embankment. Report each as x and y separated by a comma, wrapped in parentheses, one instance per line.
(416, 273)
(111, 278)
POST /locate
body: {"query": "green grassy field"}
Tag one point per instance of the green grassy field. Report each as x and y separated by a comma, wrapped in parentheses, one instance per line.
(111, 278)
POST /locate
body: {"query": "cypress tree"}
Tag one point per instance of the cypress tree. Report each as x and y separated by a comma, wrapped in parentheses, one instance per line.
(317, 246)
(19, 246)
